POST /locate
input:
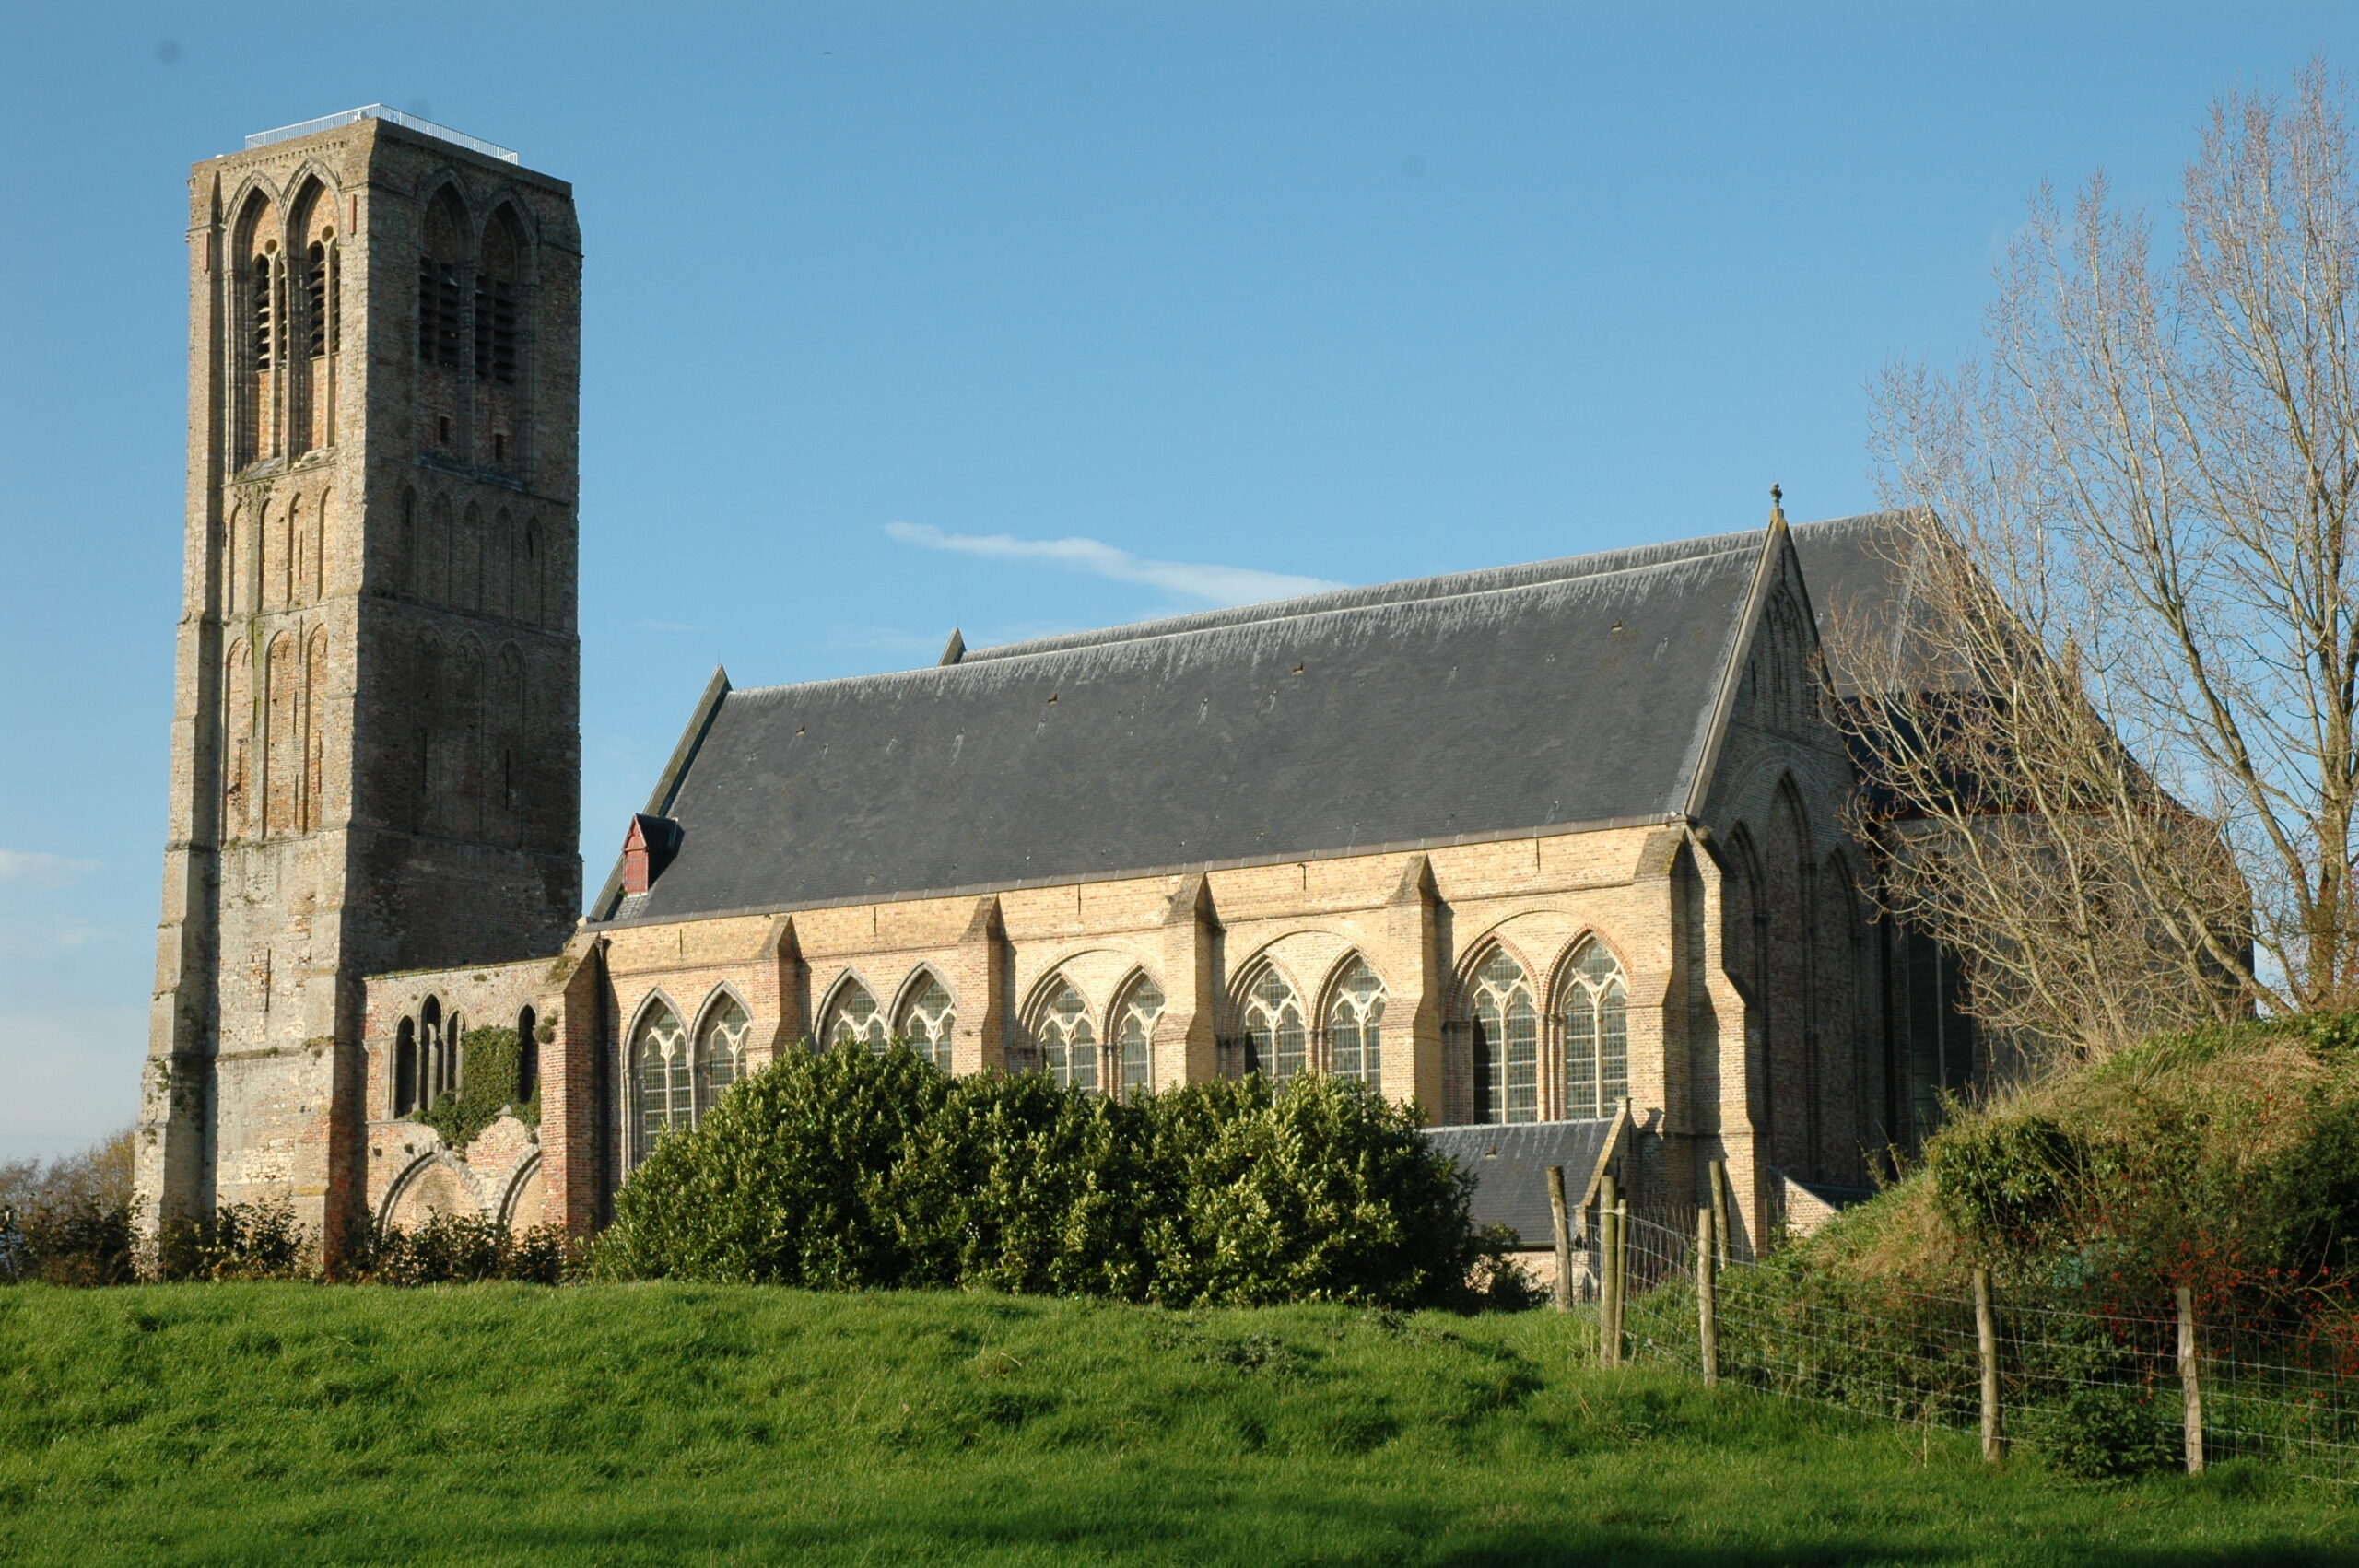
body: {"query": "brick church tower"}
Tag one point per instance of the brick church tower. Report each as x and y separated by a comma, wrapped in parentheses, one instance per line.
(375, 735)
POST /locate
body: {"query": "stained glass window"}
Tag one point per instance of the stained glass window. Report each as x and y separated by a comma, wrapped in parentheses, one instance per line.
(854, 1016)
(1354, 1022)
(720, 1054)
(1135, 1036)
(1276, 1043)
(661, 1074)
(1507, 1041)
(1067, 1046)
(1597, 1036)
(928, 1021)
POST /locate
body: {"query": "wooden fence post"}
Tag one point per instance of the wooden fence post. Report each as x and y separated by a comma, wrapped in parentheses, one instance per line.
(1986, 1334)
(1719, 1180)
(1564, 1292)
(1621, 1277)
(1708, 1297)
(1609, 1339)
(2190, 1383)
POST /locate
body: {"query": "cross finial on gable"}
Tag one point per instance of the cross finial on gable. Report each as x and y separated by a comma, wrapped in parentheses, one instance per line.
(1777, 505)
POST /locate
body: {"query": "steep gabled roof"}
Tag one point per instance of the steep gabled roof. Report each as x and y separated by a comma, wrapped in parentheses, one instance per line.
(1582, 691)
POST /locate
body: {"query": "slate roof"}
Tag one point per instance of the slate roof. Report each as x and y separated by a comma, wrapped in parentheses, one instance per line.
(1509, 1164)
(1575, 691)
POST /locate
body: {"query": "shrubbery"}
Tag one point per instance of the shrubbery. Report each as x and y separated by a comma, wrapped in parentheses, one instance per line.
(845, 1169)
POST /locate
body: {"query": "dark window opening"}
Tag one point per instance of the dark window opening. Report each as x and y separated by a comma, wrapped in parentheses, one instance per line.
(528, 1054)
(446, 429)
(405, 1069)
(500, 446)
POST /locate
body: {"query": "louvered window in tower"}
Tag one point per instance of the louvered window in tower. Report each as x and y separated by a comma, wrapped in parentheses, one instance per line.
(264, 315)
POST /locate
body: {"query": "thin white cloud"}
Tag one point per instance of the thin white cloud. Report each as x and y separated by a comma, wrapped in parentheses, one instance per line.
(1214, 585)
(41, 869)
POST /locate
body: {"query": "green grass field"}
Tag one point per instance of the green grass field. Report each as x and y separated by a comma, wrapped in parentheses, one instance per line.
(274, 1424)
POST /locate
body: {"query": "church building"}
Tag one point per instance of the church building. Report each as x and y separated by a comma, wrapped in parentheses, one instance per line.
(1558, 854)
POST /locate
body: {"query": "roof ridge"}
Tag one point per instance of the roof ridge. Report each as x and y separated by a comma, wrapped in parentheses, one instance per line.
(1446, 585)
(977, 664)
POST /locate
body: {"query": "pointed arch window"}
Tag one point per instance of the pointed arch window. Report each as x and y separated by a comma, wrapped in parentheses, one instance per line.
(853, 1018)
(661, 1078)
(405, 1068)
(1506, 1036)
(720, 1054)
(1277, 1044)
(442, 297)
(1594, 1018)
(1066, 1043)
(1356, 1025)
(433, 1056)
(1134, 1037)
(929, 1022)
(528, 1054)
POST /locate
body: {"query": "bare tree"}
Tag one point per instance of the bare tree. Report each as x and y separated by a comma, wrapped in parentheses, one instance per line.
(2128, 536)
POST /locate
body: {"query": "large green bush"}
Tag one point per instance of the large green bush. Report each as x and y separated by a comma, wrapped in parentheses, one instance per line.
(847, 1169)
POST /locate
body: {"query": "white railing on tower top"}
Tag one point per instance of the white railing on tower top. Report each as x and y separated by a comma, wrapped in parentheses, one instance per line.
(380, 112)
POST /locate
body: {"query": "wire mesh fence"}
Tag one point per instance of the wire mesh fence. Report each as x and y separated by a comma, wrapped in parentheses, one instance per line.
(2097, 1391)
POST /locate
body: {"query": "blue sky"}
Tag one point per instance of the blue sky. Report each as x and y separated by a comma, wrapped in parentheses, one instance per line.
(1024, 318)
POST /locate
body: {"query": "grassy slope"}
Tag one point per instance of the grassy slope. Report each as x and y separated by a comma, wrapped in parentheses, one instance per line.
(662, 1424)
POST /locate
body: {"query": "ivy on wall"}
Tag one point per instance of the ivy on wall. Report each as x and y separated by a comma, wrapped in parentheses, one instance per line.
(490, 1065)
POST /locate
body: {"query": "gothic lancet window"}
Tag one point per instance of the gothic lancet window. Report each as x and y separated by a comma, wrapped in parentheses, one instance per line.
(1355, 1027)
(1135, 1036)
(441, 300)
(311, 332)
(1594, 1014)
(929, 1022)
(1505, 1033)
(528, 1054)
(433, 1062)
(853, 1018)
(405, 1068)
(662, 1079)
(1066, 1043)
(257, 311)
(721, 1052)
(1277, 1043)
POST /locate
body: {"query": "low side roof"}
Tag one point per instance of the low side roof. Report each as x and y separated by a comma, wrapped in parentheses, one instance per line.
(1565, 693)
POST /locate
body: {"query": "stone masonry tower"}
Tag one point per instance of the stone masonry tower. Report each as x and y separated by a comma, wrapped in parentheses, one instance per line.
(375, 735)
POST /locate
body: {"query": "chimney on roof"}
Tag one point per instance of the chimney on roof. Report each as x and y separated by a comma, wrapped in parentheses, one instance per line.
(648, 847)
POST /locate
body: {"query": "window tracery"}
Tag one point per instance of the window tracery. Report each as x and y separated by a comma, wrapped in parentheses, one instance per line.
(853, 1018)
(1134, 1037)
(929, 1022)
(1506, 1037)
(720, 1054)
(662, 1077)
(1277, 1045)
(1594, 1017)
(1355, 1027)
(1066, 1043)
